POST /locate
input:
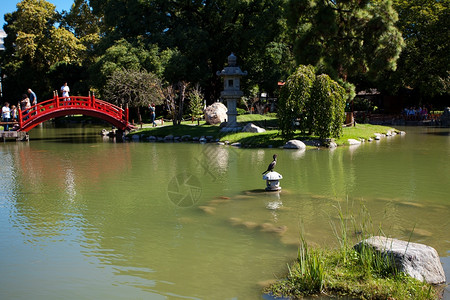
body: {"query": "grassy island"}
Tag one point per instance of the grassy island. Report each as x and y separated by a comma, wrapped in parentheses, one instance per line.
(343, 270)
(271, 137)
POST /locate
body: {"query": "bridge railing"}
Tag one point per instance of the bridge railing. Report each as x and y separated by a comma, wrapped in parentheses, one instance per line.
(70, 103)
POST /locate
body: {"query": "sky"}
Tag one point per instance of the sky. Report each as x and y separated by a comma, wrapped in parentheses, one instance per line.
(8, 6)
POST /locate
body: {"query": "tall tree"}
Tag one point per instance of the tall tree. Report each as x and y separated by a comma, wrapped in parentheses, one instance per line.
(345, 38)
(34, 43)
(424, 63)
(84, 25)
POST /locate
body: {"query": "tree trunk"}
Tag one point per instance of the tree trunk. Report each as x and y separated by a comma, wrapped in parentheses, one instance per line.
(182, 86)
(139, 116)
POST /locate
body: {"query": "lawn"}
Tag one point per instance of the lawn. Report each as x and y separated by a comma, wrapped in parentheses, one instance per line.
(271, 137)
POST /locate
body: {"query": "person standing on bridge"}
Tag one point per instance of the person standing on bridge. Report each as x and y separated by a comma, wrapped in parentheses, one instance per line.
(32, 96)
(6, 115)
(25, 105)
(13, 113)
(65, 91)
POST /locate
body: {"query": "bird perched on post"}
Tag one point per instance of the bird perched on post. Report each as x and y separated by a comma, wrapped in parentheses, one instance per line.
(271, 165)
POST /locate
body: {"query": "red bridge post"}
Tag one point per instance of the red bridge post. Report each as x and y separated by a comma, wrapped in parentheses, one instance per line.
(55, 96)
(20, 118)
(126, 113)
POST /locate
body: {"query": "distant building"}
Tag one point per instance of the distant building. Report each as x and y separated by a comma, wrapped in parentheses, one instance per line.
(2, 39)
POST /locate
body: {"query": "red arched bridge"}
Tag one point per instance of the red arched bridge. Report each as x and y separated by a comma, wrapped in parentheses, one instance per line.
(73, 105)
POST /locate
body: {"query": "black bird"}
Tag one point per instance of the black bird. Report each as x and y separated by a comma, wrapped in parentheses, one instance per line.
(272, 164)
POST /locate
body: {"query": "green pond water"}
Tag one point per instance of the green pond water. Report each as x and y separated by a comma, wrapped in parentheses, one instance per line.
(83, 217)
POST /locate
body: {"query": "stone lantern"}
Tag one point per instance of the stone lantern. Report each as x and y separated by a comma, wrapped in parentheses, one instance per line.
(231, 90)
(272, 181)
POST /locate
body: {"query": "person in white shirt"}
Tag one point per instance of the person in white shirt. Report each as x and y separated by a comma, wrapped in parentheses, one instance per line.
(6, 115)
(65, 91)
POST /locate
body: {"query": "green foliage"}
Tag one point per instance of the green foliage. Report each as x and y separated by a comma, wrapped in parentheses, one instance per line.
(327, 107)
(318, 104)
(423, 64)
(294, 99)
(195, 97)
(35, 42)
(135, 88)
(124, 55)
(311, 268)
(241, 111)
(202, 34)
(345, 38)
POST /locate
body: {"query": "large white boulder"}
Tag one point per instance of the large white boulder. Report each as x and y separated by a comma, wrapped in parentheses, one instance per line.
(353, 142)
(216, 113)
(416, 260)
(250, 127)
(294, 144)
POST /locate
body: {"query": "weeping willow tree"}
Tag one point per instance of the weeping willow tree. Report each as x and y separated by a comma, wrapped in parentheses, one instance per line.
(294, 99)
(327, 107)
(315, 103)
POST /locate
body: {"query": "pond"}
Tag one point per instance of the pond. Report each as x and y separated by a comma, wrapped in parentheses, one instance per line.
(84, 217)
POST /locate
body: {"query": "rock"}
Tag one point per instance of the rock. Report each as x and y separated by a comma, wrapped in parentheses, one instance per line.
(294, 144)
(220, 143)
(353, 142)
(152, 138)
(195, 138)
(216, 113)
(160, 139)
(208, 209)
(332, 145)
(250, 225)
(236, 144)
(209, 137)
(250, 127)
(135, 137)
(235, 221)
(168, 137)
(186, 137)
(370, 140)
(402, 133)
(202, 140)
(416, 260)
(314, 143)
